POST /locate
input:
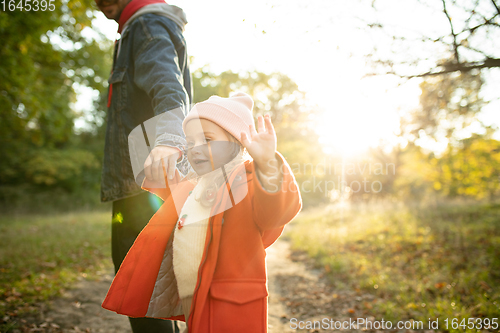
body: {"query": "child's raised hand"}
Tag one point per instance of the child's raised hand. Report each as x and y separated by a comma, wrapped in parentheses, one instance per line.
(262, 144)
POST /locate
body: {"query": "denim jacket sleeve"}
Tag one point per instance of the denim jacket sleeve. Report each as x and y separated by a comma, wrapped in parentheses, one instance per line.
(158, 70)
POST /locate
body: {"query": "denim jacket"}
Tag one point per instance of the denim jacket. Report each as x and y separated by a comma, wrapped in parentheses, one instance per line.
(150, 77)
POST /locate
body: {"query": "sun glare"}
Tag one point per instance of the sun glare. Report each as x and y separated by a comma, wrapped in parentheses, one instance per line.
(366, 115)
(359, 113)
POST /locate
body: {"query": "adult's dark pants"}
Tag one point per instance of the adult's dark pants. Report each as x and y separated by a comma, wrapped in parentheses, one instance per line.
(130, 216)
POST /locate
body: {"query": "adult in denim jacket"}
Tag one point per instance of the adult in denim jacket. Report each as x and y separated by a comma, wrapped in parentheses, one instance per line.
(150, 79)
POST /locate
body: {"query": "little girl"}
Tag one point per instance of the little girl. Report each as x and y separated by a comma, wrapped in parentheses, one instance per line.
(201, 258)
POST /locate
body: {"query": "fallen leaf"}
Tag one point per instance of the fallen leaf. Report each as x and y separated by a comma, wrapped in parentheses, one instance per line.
(440, 285)
(485, 286)
(49, 264)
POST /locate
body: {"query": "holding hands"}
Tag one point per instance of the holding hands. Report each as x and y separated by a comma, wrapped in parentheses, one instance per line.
(161, 159)
(261, 145)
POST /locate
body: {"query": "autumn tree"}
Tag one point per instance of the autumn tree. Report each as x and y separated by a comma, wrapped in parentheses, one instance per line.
(470, 170)
(45, 56)
(466, 37)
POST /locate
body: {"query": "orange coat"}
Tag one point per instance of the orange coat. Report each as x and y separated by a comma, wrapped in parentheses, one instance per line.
(231, 291)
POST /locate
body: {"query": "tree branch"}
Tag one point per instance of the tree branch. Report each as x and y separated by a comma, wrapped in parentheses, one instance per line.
(495, 5)
(486, 22)
(450, 68)
(477, 51)
(455, 45)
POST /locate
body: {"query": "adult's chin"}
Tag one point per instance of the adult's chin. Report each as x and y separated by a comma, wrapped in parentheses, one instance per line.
(117, 15)
(110, 15)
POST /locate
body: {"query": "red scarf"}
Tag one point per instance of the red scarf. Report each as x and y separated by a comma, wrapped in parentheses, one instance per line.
(127, 12)
(131, 8)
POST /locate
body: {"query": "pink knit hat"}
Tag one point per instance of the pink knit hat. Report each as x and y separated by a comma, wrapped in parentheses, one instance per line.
(234, 114)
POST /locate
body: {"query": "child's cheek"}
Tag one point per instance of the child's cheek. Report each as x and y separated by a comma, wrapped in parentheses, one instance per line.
(223, 152)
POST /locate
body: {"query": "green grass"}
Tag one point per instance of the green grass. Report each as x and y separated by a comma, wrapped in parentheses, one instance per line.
(15, 201)
(40, 256)
(421, 262)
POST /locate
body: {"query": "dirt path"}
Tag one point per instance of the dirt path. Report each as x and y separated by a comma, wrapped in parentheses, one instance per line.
(299, 292)
(296, 290)
(79, 310)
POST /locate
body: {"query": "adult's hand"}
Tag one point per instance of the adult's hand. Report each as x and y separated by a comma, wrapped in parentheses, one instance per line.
(161, 157)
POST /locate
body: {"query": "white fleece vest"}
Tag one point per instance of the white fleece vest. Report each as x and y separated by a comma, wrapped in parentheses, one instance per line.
(188, 244)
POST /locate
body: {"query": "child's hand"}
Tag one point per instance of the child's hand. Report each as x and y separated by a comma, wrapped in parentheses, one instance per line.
(262, 146)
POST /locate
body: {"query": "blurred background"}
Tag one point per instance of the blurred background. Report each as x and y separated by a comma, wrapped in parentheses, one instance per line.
(387, 111)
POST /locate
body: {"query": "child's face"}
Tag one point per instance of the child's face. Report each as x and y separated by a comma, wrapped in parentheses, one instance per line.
(205, 157)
